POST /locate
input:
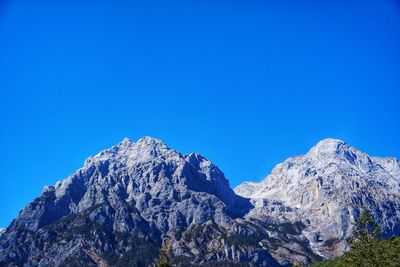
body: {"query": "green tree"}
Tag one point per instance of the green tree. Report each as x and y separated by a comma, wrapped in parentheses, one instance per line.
(163, 260)
(366, 229)
(366, 249)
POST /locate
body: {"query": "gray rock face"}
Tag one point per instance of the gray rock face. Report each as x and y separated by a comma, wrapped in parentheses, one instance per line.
(128, 200)
(325, 189)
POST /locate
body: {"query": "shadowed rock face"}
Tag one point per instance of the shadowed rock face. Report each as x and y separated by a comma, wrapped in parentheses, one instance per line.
(326, 189)
(125, 202)
(129, 200)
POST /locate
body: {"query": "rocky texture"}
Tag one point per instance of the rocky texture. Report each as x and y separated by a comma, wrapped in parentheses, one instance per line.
(325, 189)
(130, 199)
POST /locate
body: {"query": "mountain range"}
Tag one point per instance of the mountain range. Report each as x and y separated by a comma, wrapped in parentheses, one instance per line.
(131, 200)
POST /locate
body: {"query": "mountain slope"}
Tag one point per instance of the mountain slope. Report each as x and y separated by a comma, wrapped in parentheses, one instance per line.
(125, 202)
(325, 189)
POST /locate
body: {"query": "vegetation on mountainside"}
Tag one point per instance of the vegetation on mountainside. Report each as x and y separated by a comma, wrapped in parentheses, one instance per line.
(366, 249)
(163, 260)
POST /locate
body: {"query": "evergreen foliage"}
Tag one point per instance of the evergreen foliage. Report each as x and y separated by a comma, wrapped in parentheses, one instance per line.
(366, 249)
(366, 230)
(163, 260)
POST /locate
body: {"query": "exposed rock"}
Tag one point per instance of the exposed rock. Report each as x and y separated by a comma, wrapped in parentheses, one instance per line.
(325, 189)
(129, 200)
(126, 201)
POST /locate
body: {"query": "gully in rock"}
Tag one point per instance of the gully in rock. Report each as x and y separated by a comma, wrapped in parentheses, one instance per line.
(127, 202)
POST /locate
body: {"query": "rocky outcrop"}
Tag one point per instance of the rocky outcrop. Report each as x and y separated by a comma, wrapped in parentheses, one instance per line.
(326, 189)
(129, 200)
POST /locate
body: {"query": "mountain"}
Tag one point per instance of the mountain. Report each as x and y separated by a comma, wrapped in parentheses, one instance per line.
(128, 201)
(326, 189)
(131, 200)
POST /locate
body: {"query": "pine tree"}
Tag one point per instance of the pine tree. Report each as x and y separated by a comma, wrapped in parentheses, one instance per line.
(163, 260)
(366, 229)
(363, 243)
(366, 249)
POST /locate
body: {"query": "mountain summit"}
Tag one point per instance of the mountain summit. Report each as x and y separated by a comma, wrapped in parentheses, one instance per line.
(130, 200)
(326, 188)
(328, 146)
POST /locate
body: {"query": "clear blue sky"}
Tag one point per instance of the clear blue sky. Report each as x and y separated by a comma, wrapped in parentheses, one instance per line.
(246, 83)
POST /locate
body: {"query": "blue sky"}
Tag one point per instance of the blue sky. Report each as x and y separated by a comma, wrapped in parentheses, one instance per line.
(245, 83)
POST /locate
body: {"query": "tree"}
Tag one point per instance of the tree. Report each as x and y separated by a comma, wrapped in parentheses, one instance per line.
(366, 229)
(366, 251)
(163, 260)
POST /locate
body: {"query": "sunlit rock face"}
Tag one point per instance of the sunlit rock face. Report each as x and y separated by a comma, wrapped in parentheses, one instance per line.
(326, 189)
(126, 201)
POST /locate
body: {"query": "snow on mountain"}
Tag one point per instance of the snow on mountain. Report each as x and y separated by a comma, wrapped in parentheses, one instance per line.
(326, 189)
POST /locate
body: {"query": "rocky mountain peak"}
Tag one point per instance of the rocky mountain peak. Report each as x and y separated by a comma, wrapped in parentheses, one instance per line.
(148, 141)
(335, 151)
(146, 173)
(134, 196)
(145, 145)
(328, 147)
(327, 187)
(138, 193)
(126, 141)
(130, 153)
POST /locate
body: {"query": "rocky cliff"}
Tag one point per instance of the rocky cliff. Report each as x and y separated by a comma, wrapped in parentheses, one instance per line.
(128, 201)
(326, 189)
